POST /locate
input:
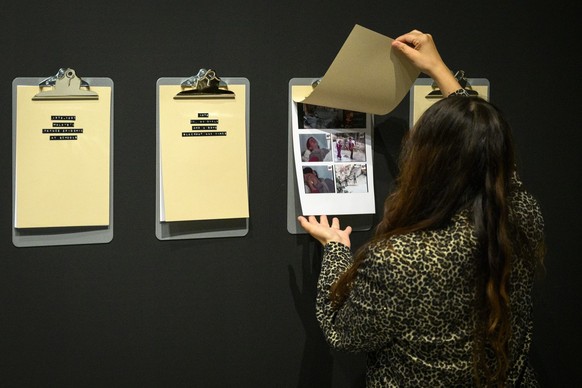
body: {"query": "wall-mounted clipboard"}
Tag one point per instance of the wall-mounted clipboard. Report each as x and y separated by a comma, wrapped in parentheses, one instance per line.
(202, 158)
(62, 148)
(358, 222)
(424, 93)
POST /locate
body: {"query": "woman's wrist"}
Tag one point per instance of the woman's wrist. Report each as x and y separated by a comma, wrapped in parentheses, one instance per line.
(331, 243)
(445, 80)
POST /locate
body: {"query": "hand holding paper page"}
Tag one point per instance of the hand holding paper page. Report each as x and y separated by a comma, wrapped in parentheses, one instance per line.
(366, 76)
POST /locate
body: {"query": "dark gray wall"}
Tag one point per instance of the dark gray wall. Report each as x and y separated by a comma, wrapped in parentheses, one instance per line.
(240, 312)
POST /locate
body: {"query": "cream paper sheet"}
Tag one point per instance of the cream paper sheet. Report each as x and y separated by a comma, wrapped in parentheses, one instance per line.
(366, 76)
(62, 183)
(203, 159)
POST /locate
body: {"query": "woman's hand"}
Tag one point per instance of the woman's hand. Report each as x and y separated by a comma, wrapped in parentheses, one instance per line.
(421, 50)
(323, 232)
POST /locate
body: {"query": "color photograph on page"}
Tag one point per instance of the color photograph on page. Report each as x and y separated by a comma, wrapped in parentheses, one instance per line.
(332, 153)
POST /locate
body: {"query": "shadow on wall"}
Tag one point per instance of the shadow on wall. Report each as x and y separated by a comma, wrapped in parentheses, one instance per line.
(318, 360)
(317, 364)
(391, 133)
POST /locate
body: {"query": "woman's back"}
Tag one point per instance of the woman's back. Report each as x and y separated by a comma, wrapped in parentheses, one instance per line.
(430, 297)
(441, 295)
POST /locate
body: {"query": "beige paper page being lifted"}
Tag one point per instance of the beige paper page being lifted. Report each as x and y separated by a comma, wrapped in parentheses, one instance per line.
(366, 76)
(203, 177)
(62, 183)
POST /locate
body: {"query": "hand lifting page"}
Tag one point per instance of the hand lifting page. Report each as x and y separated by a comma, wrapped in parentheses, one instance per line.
(203, 156)
(62, 161)
(366, 76)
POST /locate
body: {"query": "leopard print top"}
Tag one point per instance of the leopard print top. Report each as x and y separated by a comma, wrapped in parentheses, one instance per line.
(411, 307)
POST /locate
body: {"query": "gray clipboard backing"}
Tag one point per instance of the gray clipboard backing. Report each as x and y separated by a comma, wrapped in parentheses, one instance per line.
(358, 222)
(182, 230)
(31, 237)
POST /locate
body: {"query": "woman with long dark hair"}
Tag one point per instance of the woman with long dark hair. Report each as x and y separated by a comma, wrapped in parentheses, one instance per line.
(441, 295)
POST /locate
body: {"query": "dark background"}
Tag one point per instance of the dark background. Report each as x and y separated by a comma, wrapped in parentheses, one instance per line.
(240, 311)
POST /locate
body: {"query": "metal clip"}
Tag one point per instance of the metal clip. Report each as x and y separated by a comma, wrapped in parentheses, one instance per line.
(463, 81)
(205, 84)
(65, 86)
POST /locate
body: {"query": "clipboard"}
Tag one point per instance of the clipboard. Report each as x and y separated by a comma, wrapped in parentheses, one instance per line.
(192, 93)
(59, 112)
(358, 222)
(424, 93)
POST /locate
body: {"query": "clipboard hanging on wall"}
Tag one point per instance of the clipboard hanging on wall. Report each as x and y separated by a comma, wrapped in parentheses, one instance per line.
(62, 158)
(424, 93)
(202, 157)
(354, 164)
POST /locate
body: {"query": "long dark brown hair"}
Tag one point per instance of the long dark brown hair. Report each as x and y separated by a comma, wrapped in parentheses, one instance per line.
(458, 156)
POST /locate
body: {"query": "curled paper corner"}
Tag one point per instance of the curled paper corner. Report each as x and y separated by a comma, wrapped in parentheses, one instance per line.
(366, 76)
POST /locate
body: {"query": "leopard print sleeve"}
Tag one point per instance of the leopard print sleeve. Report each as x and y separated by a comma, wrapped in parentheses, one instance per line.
(412, 302)
(359, 325)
